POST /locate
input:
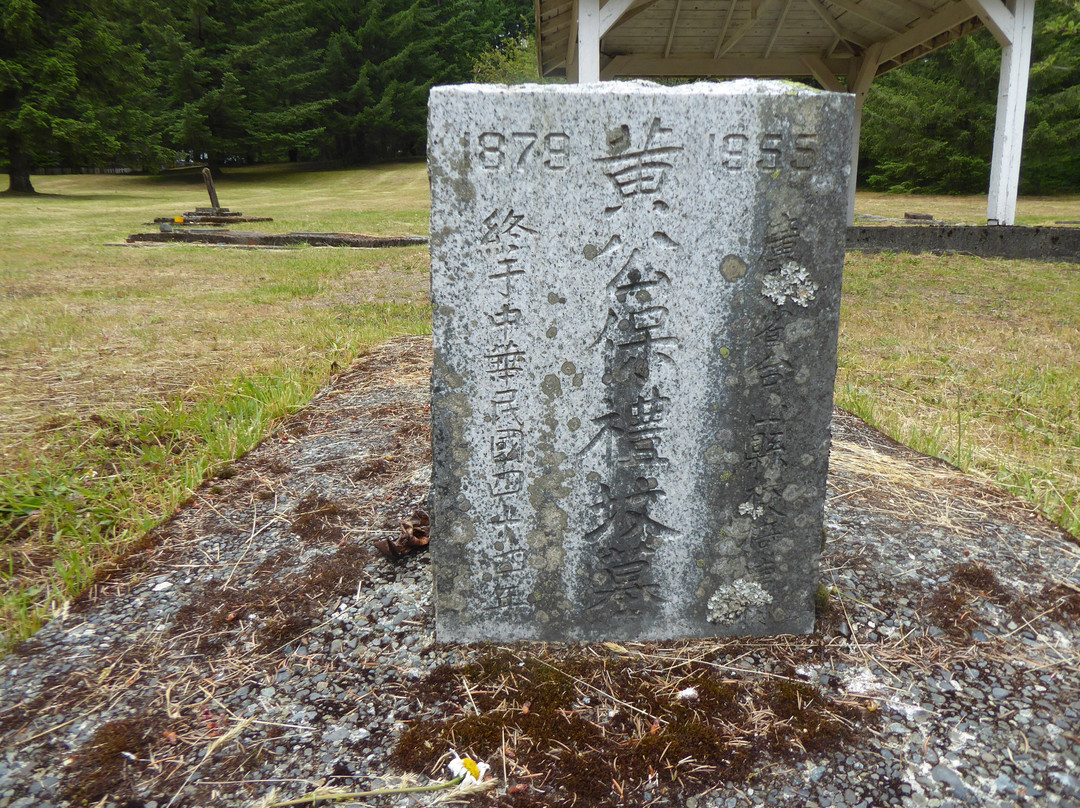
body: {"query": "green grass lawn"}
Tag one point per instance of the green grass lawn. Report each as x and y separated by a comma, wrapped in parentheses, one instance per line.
(1031, 211)
(972, 360)
(130, 374)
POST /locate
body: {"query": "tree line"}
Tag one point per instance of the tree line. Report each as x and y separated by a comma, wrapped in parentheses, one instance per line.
(929, 126)
(139, 83)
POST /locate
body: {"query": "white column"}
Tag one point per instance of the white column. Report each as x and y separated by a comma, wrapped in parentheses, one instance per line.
(588, 41)
(1009, 125)
(859, 83)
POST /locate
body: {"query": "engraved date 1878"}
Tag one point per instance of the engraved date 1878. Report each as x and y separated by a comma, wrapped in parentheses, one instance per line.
(514, 150)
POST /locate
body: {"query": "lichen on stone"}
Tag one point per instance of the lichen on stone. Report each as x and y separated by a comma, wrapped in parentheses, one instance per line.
(751, 510)
(792, 282)
(731, 601)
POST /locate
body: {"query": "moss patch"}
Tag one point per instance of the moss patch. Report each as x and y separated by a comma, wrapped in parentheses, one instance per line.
(109, 763)
(970, 581)
(584, 722)
(275, 607)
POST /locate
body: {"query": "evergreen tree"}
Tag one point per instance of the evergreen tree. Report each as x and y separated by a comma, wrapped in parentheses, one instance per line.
(929, 126)
(237, 78)
(279, 61)
(203, 107)
(385, 55)
(73, 87)
(513, 62)
(1051, 157)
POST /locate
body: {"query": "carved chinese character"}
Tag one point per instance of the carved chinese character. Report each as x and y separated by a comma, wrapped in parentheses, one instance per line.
(636, 276)
(772, 370)
(507, 482)
(637, 427)
(506, 515)
(767, 507)
(780, 241)
(506, 316)
(641, 171)
(766, 439)
(772, 333)
(506, 445)
(505, 403)
(506, 228)
(625, 514)
(508, 595)
(626, 581)
(508, 561)
(505, 361)
(506, 272)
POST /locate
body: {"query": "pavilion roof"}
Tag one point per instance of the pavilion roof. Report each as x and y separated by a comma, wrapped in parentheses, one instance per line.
(822, 39)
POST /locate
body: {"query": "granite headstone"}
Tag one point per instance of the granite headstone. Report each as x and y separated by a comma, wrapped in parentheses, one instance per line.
(636, 295)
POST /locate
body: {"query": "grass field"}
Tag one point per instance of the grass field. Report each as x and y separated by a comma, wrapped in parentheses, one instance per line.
(972, 360)
(128, 375)
(1030, 211)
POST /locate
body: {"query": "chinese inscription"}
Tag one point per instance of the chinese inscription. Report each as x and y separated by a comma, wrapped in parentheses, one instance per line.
(638, 347)
(635, 314)
(506, 236)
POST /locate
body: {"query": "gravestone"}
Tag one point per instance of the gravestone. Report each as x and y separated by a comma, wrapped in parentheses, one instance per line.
(636, 295)
(208, 178)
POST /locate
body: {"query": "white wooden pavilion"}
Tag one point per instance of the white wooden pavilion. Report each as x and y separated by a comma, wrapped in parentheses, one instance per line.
(842, 44)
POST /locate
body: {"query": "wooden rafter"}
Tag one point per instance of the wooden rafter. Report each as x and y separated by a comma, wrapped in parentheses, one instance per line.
(553, 25)
(555, 17)
(912, 7)
(776, 29)
(610, 13)
(997, 17)
(837, 28)
(657, 65)
(949, 17)
(930, 45)
(571, 43)
(636, 8)
(724, 28)
(823, 73)
(867, 14)
(741, 31)
(671, 28)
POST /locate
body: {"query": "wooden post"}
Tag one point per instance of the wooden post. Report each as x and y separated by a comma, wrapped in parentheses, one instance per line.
(1012, 99)
(588, 41)
(209, 180)
(859, 83)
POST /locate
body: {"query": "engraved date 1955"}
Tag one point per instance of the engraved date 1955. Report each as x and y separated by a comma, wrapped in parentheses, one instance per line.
(769, 151)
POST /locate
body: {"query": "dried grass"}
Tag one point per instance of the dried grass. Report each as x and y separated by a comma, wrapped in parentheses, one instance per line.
(970, 360)
(1030, 210)
(130, 376)
(599, 724)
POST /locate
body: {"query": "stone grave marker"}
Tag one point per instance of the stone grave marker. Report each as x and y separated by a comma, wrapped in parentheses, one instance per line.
(208, 178)
(636, 294)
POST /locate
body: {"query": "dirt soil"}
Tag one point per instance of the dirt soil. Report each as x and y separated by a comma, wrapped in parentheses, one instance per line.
(257, 640)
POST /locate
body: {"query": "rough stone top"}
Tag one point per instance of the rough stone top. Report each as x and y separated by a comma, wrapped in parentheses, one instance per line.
(641, 87)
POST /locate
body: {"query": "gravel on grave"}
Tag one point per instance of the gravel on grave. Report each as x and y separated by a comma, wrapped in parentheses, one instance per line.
(255, 641)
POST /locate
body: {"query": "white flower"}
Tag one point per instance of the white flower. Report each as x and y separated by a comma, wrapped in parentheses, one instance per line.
(690, 694)
(468, 769)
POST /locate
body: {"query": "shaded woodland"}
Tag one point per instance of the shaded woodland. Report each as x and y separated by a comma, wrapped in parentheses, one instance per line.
(233, 82)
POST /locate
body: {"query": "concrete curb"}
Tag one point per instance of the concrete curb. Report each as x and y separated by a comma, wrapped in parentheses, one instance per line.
(1042, 243)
